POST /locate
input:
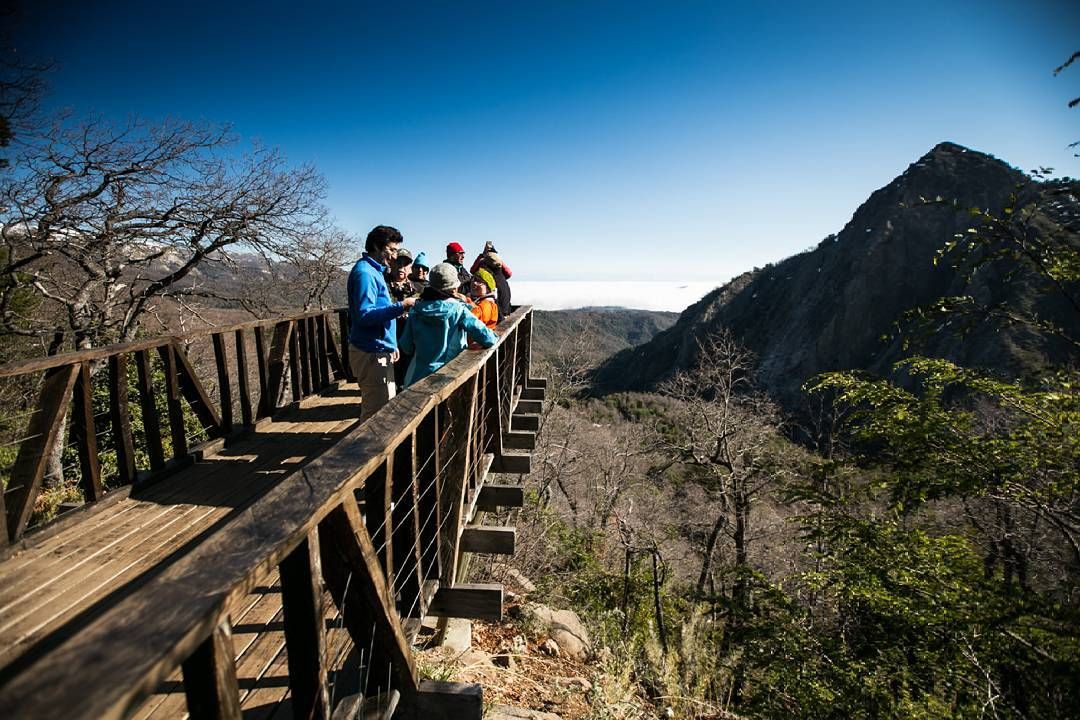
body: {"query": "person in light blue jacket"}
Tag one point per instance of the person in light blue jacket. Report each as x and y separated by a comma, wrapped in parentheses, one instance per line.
(438, 325)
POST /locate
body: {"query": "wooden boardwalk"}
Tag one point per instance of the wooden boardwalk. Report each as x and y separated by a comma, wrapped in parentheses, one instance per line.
(90, 561)
(282, 567)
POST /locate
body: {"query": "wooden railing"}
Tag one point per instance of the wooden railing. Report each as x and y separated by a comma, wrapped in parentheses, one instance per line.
(380, 521)
(111, 408)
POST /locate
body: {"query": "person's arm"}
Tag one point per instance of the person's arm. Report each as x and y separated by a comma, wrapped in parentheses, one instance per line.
(366, 295)
(476, 263)
(506, 270)
(478, 331)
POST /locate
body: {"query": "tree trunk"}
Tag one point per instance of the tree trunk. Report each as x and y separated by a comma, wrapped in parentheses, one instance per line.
(706, 561)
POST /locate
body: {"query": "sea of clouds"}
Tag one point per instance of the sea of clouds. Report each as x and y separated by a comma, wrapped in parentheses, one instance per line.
(641, 295)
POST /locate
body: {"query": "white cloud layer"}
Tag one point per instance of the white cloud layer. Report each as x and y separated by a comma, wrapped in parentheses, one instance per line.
(642, 295)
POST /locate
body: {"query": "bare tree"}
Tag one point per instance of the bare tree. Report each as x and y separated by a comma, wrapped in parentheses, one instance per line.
(101, 222)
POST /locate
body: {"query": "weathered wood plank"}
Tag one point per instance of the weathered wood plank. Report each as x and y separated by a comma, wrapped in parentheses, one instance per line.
(439, 700)
(460, 412)
(535, 382)
(276, 369)
(42, 432)
(172, 399)
(406, 529)
(151, 423)
(343, 535)
(332, 354)
(120, 419)
(525, 423)
(519, 440)
(242, 387)
(195, 393)
(311, 329)
(513, 464)
(490, 539)
(533, 393)
(343, 337)
(84, 436)
(221, 360)
(493, 497)
(377, 515)
(305, 630)
(210, 678)
(473, 601)
(261, 360)
(305, 357)
(529, 407)
(497, 415)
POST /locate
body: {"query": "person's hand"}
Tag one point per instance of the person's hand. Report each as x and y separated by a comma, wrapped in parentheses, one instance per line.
(395, 356)
(489, 246)
(409, 302)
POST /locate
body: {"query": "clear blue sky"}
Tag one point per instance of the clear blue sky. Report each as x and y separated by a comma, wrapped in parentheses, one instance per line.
(616, 140)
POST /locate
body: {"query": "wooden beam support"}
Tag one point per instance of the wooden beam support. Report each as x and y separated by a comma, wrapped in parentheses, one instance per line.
(242, 388)
(195, 393)
(460, 414)
(343, 330)
(513, 464)
(427, 486)
(536, 383)
(528, 407)
(439, 700)
(210, 678)
(493, 497)
(276, 369)
(526, 423)
(149, 411)
(172, 398)
(347, 551)
(405, 537)
(305, 630)
(295, 385)
(221, 359)
(533, 393)
(42, 432)
(261, 359)
(120, 419)
(489, 539)
(472, 601)
(519, 440)
(84, 436)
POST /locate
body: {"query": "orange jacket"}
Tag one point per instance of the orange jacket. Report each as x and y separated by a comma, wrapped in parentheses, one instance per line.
(487, 311)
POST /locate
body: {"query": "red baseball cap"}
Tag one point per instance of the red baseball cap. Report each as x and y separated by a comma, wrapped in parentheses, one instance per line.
(454, 248)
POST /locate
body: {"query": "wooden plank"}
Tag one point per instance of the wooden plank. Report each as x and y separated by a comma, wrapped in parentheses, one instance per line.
(195, 393)
(305, 357)
(493, 497)
(427, 485)
(242, 380)
(172, 398)
(536, 383)
(513, 464)
(120, 419)
(311, 329)
(84, 436)
(151, 424)
(276, 369)
(519, 440)
(526, 423)
(305, 630)
(498, 417)
(405, 536)
(440, 700)
(336, 365)
(294, 368)
(345, 542)
(324, 344)
(490, 539)
(529, 407)
(42, 432)
(533, 393)
(377, 515)
(210, 678)
(221, 359)
(261, 359)
(472, 601)
(343, 337)
(460, 411)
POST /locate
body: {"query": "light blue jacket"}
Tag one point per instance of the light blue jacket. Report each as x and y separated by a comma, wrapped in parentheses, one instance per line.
(435, 333)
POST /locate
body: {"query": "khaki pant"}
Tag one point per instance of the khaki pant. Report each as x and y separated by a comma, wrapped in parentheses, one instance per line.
(375, 375)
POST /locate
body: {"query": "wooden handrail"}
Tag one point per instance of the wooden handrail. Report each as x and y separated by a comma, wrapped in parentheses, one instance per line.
(180, 615)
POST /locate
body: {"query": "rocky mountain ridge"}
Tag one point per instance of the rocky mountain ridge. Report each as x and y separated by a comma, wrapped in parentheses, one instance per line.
(830, 308)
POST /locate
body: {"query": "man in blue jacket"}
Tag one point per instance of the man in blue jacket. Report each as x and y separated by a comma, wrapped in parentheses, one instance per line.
(372, 333)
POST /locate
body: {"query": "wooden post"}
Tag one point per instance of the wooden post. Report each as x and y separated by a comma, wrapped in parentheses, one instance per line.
(461, 412)
(343, 328)
(427, 486)
(377, 499)
(224, 383)
(210, 678)
(305, 630)
(406, 528)
(313, 354)
(242, 380)
(151, 425)
(336, 365)
(294, 366)
(323, 333)
(42, 431)
(261, 359)
(120, 419)
(347, 553)
(276, 371)
(172, 397)
(305, 356)
(84, 435)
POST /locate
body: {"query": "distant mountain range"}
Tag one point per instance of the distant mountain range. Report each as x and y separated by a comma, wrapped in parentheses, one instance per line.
(829, 308)
(595, 333)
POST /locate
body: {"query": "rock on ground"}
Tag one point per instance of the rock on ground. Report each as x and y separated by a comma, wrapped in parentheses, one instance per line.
(565, 628)
(505, 712)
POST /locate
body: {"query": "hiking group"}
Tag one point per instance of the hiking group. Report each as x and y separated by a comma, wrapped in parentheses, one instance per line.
(407, 319)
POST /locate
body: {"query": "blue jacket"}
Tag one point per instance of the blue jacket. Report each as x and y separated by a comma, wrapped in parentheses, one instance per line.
(435, 334)
(371, 311)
